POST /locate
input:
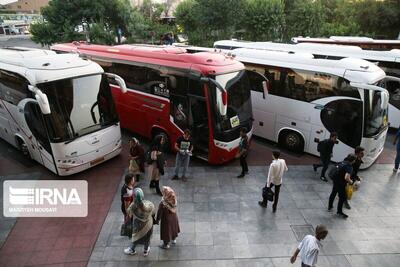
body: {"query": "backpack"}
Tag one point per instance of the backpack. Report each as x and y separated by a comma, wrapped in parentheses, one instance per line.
(319, 147)
(337, 170)
(147, 157)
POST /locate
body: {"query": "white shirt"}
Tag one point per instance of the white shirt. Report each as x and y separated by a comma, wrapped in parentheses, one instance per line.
(275, 172)
(309, 249)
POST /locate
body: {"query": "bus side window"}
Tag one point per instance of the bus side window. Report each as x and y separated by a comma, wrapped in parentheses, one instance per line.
(134, 76)
(35, 123)
(13, 88)
(195, 87)
(179, 111)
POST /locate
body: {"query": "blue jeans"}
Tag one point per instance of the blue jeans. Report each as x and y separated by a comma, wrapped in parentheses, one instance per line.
(181, 161)
(397, 160)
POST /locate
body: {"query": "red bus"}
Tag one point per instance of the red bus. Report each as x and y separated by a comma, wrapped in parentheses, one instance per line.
(170, 90)
(363, 42)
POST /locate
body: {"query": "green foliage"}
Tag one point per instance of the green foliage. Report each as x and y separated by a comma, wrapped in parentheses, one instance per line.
(101, 16)
(304, 18)
(263, 20)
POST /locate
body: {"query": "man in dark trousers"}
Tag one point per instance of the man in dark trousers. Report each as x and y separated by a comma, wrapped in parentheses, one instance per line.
(325, 148)
(242, 153)
(340, 180)
(359, 152)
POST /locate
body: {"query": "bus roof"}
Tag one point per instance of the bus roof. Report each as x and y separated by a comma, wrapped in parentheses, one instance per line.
(345, 39)
(203, 62)
(317, 49)
(39, 66)
(355, 70)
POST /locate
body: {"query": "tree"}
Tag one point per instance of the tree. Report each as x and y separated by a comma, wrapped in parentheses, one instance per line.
(304, 17)
(263, 20)
(61, 17)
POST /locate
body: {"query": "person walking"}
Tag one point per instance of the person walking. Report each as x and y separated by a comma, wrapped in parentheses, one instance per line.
(397, 160)
(127, 195)
(184, 146)
(136, 165)
(142, 212)
(325, 148)
(157, 162)
(309, 247)
(167, 216)
(340, 180)
(242, 153)
(275, 174)
(359, 152)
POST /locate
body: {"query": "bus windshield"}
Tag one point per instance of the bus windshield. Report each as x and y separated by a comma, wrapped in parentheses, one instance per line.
(375, 119)
(79, 106)
(237, 86)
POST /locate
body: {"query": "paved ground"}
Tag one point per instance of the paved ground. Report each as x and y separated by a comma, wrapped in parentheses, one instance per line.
(222, 225)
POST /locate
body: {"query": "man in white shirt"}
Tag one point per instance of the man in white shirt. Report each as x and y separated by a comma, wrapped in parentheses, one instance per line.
(275, 174)
(309, 247)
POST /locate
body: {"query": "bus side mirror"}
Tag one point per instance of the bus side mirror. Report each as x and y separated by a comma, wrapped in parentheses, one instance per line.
(221, 93)
(41, 98)
(121, 83)
(265, 86)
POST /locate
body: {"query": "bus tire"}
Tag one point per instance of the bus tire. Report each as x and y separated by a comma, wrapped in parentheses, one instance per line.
(167, 145)
(23, 147)
(292, 141)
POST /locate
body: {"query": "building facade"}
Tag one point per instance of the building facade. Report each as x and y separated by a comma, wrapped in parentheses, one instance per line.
(27, 6)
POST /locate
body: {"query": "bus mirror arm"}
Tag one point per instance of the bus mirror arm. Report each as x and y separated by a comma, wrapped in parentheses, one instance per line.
(319, 107)
(121, 83)
(41, 98)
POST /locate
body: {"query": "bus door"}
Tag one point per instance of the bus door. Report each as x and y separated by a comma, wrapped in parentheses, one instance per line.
(264, 120)
(392, 84)
(198, 124)
(40, 148)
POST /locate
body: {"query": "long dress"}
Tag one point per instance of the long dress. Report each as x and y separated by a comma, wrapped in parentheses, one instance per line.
(138, 151)
(169, 225)
(154, 171)
(142, 221)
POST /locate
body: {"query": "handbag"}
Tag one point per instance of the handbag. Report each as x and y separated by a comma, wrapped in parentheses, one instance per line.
(126, 228)
(268, 194)
(133, 167)
(349, 191)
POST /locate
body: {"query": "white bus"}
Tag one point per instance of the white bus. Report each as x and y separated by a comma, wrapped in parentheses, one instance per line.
(309, 98)
(57, 109)
(389, 61)
(363, 42)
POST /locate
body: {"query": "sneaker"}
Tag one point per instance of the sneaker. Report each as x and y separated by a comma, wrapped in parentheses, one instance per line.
(395, 170)
(129, 251)
(330, 209)
(273, 210)
(240, 176)
(163, 246)
(175, 177)
(146, 252)
(341, 214)
(184, 178)
(323, 179)
(262, 204)
(346, 205)
(174, 242)
(314, 167)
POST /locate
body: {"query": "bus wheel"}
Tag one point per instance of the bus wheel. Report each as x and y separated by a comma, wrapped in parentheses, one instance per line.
(165, 136)
(292, 141)
(23, 148)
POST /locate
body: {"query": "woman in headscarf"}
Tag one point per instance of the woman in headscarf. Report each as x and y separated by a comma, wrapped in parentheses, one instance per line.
(169, 228)
(137, 155)
(156, 167)
(142, 211)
